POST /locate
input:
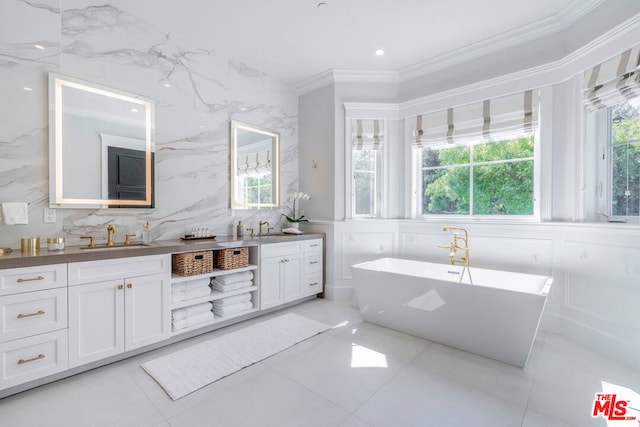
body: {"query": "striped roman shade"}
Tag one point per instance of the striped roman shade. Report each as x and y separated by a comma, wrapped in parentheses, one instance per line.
(614, 81)
(254, 163)
(367, 134)
(489, 120)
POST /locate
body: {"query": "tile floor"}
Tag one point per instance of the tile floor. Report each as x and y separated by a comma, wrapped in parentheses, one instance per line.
(355, 375)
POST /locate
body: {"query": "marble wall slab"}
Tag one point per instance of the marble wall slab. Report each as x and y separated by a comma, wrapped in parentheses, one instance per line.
(96, 42)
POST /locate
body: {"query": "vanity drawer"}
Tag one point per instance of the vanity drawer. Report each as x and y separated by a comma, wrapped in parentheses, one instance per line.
(118, 268)
(31, 313)
(27, 279)
(34, 357)
(313, 245)
(279, 249)
(312, 262)
(312, 284)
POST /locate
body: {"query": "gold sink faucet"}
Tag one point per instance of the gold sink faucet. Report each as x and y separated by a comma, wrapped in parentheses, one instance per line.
(260, 224)
(110, 230)
(454, 246)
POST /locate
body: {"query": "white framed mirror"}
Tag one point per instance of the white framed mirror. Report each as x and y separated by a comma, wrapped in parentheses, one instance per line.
(255, 167)
(101, 146)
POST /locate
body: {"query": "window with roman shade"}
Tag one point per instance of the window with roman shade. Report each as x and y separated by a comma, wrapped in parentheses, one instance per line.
(367, 140)
(491, 119)
(478, 158)
(613, 81)
(611, 95)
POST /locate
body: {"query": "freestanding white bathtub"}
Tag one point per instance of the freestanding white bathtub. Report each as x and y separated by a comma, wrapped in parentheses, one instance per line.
(497, 316)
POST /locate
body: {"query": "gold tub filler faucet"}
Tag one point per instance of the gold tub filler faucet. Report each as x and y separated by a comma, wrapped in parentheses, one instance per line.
(454, 246)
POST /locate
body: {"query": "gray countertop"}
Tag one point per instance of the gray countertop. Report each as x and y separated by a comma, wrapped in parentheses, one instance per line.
(82, 253)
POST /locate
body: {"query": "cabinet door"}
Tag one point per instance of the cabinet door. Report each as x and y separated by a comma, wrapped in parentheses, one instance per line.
(270, 277)
(96, 323)
(292, 277)
(147, 310)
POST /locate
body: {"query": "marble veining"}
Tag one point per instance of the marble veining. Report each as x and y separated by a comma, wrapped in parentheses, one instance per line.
(196, 92)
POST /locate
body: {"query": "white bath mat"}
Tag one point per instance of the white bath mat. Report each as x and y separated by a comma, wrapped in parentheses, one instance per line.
(190, 369)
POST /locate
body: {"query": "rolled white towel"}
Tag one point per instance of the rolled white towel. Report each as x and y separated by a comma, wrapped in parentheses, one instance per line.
(232, 300)
(192, 321)
(242, 276)
(232, 309)
(230, 287)
(191, 284)
(183, 313)
(188, 294)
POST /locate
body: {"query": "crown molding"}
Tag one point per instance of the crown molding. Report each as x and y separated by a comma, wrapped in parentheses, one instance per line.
(600, 49)
(574, 11)
(536, 30)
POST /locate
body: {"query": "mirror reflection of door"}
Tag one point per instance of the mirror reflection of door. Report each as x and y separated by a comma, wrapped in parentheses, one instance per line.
(126, 175)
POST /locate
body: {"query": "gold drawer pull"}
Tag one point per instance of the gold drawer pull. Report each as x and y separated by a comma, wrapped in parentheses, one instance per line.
(313, 284)
(313, 262)
(129, 286)
(30, 279)
(38, 357)
(37, 313)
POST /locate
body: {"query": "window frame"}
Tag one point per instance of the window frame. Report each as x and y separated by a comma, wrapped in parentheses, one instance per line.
(416, 183)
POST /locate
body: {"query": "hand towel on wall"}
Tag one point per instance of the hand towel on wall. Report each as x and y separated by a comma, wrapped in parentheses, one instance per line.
(15, 213)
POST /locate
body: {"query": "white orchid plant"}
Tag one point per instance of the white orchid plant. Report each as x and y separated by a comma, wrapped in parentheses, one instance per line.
(294, 218)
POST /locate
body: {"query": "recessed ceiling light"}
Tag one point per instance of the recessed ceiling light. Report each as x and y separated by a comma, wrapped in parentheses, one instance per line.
(379, 52)
(166, 84)
(134, 110)
(28, 89)
(38, 46)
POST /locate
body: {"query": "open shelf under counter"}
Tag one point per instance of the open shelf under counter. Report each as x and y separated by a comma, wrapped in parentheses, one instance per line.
(214, 295)
(216, 272)
(213, 322)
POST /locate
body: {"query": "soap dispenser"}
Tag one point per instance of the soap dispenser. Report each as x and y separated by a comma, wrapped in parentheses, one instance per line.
(239, 230)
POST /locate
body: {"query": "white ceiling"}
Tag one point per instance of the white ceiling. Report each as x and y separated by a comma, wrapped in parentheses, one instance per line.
(294, 40)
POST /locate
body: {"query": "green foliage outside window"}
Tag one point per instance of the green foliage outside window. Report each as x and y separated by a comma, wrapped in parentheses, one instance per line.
(495, 178)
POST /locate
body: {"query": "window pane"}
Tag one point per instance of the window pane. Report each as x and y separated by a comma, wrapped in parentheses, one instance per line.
(503, 189)
(625, 197)
(445, 156)
(504, 150)
(446, 191)
(625, 159)
(365, 179)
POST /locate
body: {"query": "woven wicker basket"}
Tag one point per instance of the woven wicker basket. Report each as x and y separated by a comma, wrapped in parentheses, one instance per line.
(228, 259)
(192, 263)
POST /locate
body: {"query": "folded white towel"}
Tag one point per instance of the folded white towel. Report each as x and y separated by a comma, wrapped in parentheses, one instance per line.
(192, 321)
(232, 300)
(191, 284)
(230, 287)
(183, 313)
(187, 294)
(15, 213)
(226, 279)
(232, 309)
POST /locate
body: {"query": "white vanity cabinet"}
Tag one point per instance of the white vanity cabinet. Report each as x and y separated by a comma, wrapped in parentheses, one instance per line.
(290, 271)
(117, 305)
(312, 270)
(33, 323)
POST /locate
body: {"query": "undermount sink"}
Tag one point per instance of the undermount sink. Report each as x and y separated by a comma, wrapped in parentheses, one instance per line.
(237, 244)
(117, 246)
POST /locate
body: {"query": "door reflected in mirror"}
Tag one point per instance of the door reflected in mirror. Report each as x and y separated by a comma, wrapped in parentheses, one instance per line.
(101, 146)
(255, 167)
